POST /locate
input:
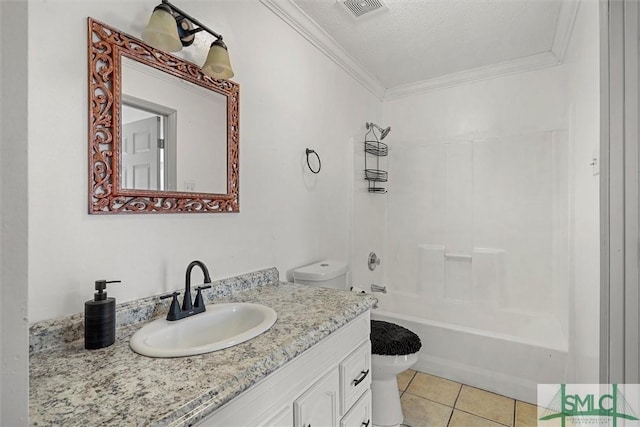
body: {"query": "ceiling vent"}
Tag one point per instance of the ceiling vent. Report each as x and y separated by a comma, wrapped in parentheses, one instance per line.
(360, 8)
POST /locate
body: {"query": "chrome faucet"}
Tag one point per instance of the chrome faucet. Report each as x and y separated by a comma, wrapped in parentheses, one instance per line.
(189, 307)
(378, 288)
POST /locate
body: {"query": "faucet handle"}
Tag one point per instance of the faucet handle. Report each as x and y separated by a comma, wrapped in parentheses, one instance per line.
(174, 310)
(174, 295)
(199, 302)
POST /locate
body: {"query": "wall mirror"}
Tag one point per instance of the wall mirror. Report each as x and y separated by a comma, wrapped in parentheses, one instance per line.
(163, 137)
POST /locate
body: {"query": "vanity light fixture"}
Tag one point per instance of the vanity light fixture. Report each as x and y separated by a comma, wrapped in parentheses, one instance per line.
(170, 29)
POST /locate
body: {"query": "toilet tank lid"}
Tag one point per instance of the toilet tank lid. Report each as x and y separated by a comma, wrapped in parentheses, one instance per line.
(320, 271)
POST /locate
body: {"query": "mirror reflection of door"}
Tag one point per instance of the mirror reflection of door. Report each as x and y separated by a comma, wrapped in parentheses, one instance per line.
(147, 152)
(141, 154)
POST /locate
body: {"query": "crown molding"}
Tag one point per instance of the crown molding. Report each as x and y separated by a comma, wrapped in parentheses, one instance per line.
(295, 17)
(564, 28)
(501, 69)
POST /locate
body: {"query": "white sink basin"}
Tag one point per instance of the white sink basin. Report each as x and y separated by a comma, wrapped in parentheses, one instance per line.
(221, 326)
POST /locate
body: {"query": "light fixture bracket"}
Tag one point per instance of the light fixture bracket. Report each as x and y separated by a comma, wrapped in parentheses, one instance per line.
(186, 31)
(188, 26)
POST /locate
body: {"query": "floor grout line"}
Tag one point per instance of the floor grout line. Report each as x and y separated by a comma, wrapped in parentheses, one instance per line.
(484, 418)
(410, 380)
(453, 409)
(450, 416)
(455, 402)
(425, 398)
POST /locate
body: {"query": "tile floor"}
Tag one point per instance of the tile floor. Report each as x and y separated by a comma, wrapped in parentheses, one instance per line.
(430, 401)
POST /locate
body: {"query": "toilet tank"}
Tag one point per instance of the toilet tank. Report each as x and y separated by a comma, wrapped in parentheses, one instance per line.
(325, 274)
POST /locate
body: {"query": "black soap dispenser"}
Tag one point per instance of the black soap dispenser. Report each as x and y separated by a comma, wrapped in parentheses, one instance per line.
(100, 318)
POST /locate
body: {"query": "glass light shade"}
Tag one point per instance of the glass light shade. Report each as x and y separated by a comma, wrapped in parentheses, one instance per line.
(162, 31)
(217, 64)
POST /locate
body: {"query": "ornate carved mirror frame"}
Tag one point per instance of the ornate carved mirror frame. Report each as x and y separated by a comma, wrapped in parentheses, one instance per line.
(106, 195)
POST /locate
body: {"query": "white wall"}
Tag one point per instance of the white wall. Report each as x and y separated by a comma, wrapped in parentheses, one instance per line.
(14, 360)
(582, 66)
(1, 296)
(292, 97)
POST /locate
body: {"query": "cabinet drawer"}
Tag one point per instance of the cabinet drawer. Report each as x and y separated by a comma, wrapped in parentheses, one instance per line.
(360, 414)
(355, 376)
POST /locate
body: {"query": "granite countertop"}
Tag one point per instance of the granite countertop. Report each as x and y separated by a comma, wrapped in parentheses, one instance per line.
(114, 386)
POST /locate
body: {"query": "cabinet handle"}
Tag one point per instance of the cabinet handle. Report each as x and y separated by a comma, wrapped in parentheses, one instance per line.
(365, 424)
(363, 375)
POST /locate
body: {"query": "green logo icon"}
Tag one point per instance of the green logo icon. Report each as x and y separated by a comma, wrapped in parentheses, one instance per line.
(589, 408)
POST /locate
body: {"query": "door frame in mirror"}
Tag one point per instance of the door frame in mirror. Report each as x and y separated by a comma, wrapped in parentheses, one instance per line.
(106, 196)
(169, 175)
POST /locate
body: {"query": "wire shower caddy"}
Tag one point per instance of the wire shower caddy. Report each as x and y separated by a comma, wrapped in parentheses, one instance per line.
(377, 149)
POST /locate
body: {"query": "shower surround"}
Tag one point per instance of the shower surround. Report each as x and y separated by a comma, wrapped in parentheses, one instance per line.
(478, 256)
(483, 222)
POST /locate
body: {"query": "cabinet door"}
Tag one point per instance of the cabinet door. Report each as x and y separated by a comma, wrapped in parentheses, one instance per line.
(318, 406)
(360, 414)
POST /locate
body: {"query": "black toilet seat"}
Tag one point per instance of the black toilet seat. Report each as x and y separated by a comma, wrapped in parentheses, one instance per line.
(389, 339)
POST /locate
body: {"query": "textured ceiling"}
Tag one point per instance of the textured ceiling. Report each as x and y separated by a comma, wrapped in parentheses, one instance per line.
(418, 40)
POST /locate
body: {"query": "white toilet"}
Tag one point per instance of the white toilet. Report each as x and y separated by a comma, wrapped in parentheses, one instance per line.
(394, 348)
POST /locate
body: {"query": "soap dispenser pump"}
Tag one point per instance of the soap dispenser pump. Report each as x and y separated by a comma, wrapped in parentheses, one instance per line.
(100, 318)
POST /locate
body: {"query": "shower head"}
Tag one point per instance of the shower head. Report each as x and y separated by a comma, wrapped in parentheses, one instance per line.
(383, 132)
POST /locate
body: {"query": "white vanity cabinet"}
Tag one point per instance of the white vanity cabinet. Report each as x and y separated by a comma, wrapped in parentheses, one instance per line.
(360, 414)
(326, 386)
(280, 418)
(318, 406)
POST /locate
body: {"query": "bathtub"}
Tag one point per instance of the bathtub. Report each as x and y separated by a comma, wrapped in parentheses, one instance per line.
(502, 351)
